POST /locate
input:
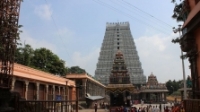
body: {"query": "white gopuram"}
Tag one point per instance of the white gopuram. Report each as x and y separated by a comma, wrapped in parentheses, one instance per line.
(118, 36)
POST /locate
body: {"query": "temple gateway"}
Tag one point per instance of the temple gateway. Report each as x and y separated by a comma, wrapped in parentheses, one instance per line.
(120, 88)
(123, 93)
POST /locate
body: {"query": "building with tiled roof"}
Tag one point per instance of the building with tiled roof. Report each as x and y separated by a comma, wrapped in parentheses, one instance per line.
(33, 84)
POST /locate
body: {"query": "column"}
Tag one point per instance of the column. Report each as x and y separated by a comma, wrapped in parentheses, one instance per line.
(165, 96)
(89, 86)
(158, 96)
(37, 90)
(13, 84)
(53, 87)
(144, 96)
(26, 89)
(47, 92)
(59, 90)
(161, 97)
(67, 93)
(94, 88)
(84, 87)
(64, 94)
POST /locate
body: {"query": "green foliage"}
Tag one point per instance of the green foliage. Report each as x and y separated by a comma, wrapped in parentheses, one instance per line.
(45, 60)
(23, 55)
(176, 93)
(180, 11)
(173, 85)
(176, 40)
(42, 59)
(184, 56)
(76, 70)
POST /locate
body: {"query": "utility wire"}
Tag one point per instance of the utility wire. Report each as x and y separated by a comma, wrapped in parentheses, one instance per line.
(58, 30)
(146, 13)
(144, 17)
(128, 15)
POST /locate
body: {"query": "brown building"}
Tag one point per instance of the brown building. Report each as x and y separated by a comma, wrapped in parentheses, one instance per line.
(190, 43)
(34, 84)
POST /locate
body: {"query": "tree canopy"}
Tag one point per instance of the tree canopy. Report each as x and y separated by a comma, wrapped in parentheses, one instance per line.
(41, 58)
(174, 85)
(76, 70)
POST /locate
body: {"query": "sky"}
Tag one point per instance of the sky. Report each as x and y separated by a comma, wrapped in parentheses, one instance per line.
(74, 30)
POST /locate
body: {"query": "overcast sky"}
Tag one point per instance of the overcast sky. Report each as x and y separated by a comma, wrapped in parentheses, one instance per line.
(74, 30)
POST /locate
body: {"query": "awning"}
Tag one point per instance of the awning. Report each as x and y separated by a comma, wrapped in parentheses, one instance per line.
(154, 91)
(95, 97)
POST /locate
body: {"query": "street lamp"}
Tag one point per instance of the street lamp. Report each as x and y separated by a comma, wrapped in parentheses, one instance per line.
(183, 67)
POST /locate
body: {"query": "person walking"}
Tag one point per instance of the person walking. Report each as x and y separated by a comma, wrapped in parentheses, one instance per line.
(95, 107)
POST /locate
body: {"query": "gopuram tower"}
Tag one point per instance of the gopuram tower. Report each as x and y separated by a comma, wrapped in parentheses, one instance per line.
(118, 37)
(119, 88)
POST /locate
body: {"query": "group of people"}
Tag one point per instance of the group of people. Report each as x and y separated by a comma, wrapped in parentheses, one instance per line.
(148, 108)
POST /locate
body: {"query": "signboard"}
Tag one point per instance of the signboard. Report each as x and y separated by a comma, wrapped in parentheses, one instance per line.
(58, 97)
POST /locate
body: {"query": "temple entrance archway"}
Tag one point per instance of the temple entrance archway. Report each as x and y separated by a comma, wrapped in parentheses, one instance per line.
(116, 99)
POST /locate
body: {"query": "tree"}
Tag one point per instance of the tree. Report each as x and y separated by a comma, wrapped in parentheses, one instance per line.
(45, 60)
(181, 10)
(76, 70)
(173, 86)
(23, 55)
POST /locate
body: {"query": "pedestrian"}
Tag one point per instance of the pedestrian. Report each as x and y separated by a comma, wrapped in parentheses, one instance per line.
(153, 109)
(150, 109)
(182, 109)
(166, 109)
(160, 107)
(95, 107)
(132, 109)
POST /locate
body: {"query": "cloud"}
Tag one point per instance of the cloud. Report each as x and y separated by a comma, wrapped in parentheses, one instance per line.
(26, 38)
(159, 55)
(43, 11)
(65, 33)
(87, 62)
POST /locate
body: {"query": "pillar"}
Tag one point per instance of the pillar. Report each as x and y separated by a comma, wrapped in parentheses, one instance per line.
(13, 84)
(58, 90)
(88, 88)
(84, 87)
(144, 96)
(67, 93)
(47, 92)
(165, 96)
(37, 90)
(161, 97)
(26, 89)
(53, 87)
(158, 96)
(64, 93)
